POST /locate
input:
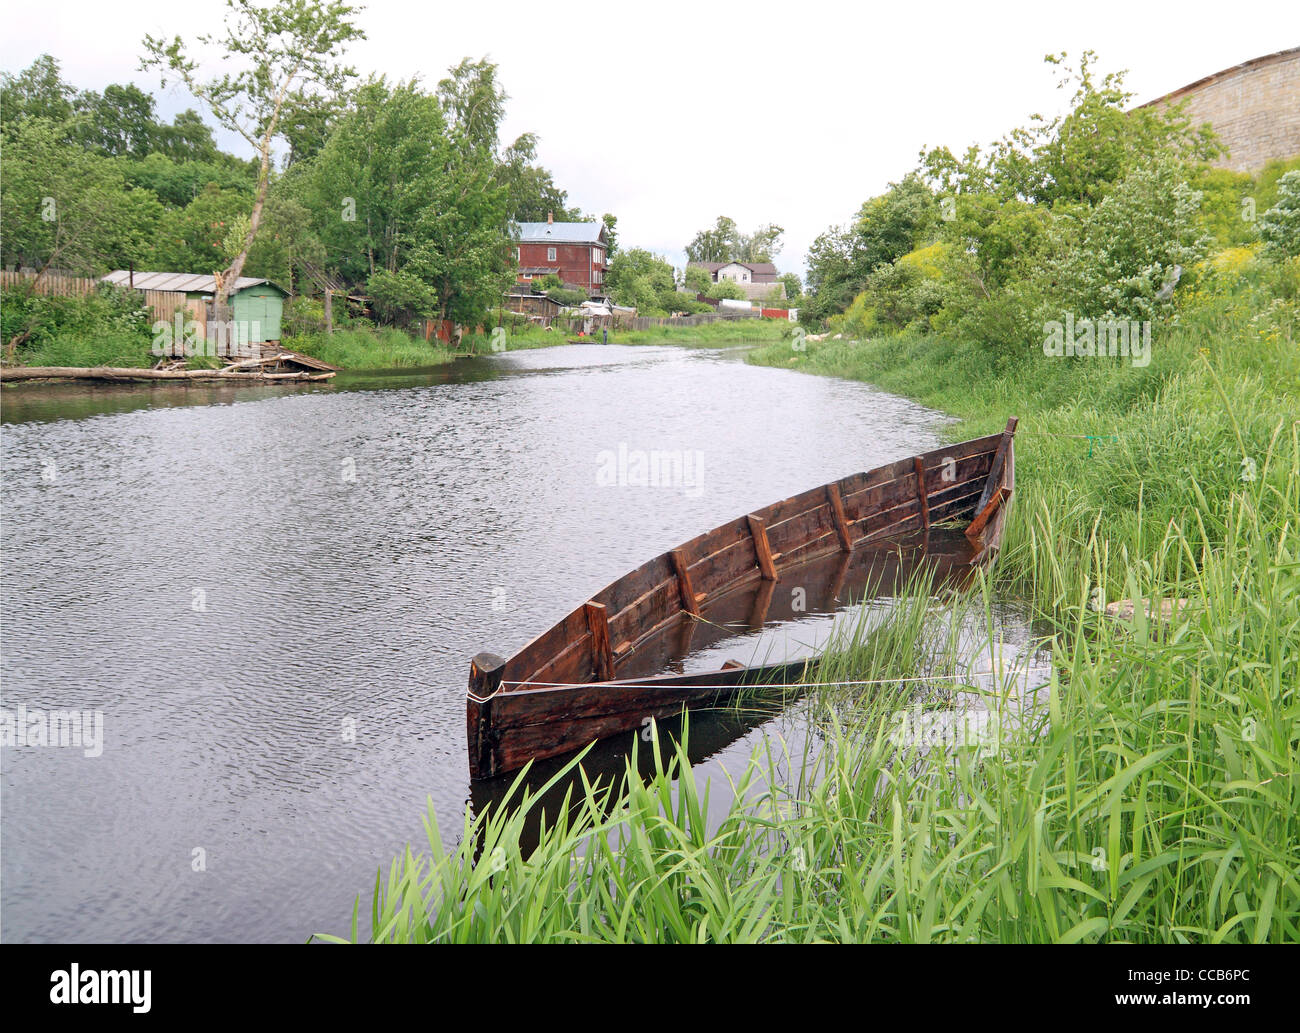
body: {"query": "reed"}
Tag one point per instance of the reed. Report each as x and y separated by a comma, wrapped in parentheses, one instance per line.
(1152, 794)
(370, 349)
(1149, 792)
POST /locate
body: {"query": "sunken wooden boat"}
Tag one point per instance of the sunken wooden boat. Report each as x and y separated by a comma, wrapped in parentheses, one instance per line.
(589, 676)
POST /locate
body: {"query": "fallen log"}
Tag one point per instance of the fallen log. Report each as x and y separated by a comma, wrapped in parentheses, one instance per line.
(15, 373)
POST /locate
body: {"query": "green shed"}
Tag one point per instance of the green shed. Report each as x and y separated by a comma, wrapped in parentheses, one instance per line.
(256, 304)
(259, 305)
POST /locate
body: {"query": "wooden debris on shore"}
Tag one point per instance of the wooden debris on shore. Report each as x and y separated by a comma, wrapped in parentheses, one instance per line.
(279, 366)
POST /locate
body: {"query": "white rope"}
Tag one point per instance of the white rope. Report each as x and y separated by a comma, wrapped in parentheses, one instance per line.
(746, 685)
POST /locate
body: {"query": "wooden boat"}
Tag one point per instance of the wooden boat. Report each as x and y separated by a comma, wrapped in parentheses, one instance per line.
(588, 677)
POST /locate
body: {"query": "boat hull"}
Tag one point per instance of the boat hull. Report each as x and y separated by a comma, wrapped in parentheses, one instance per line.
(596, 672)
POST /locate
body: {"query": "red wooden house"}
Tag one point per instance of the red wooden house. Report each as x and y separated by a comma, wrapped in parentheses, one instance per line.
(576, 252)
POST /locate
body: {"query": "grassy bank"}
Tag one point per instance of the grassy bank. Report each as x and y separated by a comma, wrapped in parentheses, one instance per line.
(1151, 795)
(710, 335)
(1110, 453)
(370, 349)
(706, 335)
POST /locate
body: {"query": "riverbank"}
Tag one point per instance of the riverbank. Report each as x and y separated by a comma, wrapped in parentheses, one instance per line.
(369, 349)
(1111, 451)
(1148, 794)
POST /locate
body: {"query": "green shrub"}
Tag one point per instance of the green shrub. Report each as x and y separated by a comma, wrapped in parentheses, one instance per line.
(1280, 225)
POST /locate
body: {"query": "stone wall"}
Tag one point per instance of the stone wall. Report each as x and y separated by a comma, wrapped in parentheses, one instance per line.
(1254, 107)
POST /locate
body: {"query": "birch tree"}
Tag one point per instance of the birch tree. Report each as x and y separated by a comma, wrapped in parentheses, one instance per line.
(291, 48)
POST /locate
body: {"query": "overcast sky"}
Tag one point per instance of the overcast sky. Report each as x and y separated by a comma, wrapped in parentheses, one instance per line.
(668, 114)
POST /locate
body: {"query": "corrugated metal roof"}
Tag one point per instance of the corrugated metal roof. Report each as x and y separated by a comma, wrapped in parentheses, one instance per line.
(561, 232)
(187, 282)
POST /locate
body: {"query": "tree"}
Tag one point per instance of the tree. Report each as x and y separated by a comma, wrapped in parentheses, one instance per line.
(188, 138)
(530, 188)
(638, 278)
(725, 243)
(65, 207)
(1075, 157)
(407, 200)
(728, 289)
(193, 239)
(697, 279)
(1136, 244)
(611, 233)
(307, 120)
(763, 245)
(793, 288)
(716, 244)
(290, 47)
(466, 219)
(177, 183)
(119, 122)
(36, 92)
(1280, 225)
(887, 227)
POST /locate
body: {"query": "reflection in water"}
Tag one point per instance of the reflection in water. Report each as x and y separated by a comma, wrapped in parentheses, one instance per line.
(273, 600)
(840, 597)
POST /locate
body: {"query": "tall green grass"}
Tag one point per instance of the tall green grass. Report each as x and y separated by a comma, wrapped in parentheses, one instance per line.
(370, 349)
(1150, 792)
(101, 348)
(719, 334)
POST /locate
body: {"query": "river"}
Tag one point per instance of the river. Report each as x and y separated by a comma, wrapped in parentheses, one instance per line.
(271, 596)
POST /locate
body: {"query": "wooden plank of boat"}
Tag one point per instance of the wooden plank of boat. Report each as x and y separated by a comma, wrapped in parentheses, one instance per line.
(578, 681)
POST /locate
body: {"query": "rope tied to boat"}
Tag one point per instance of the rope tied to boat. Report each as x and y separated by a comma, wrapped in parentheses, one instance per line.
(967, 678)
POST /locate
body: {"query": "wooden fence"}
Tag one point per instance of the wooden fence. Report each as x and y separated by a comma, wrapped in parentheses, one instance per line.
(59, 284)
(650, 322)
(52, 284)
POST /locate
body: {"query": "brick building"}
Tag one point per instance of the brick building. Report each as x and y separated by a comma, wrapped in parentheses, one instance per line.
(576, 252)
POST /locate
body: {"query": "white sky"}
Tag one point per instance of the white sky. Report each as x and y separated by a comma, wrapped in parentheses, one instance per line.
(668, 113)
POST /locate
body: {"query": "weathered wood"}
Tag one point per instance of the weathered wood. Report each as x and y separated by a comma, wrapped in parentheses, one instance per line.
(793, 506)
(762, 603)
(921, 493)
(797, 532)
(560, 691)
(986, 514)
(16, 373)
(602, 653)
(652, 609)
(837, 517)
(689, 602)
(994, 480)
(767, 565)
(485, 673)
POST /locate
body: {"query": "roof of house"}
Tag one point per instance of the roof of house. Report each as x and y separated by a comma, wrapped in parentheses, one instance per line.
(187, 282)
(561, 232)
(764, 269)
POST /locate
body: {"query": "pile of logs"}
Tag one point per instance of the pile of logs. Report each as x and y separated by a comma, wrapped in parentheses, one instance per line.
(276, 367)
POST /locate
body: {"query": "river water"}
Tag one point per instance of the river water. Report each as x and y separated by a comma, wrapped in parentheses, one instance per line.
(271, 596)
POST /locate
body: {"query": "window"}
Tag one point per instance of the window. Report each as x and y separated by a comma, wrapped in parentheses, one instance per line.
(597, 255)
(550, 254)
(517, 256)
